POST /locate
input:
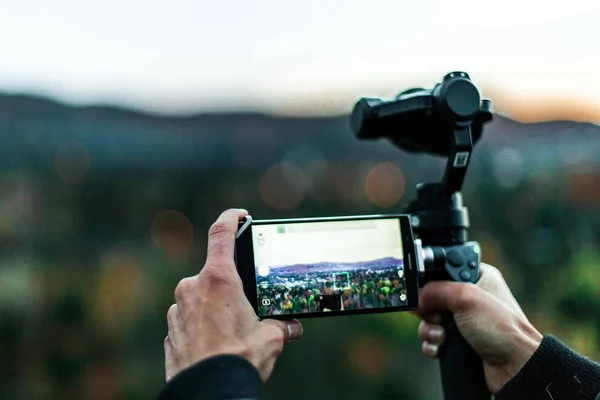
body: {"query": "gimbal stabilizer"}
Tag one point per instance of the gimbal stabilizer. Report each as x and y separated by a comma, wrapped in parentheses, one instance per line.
(445, 121)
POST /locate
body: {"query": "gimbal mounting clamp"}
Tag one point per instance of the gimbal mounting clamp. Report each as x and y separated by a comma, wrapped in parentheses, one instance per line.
(445, 121)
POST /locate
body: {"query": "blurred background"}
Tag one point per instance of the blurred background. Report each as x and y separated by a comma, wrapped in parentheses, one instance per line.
(127, 127)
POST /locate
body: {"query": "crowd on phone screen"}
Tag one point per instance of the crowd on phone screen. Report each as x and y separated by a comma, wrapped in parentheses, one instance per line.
(300, 293)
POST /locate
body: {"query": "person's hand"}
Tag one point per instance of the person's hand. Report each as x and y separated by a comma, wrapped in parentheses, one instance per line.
(489, 318)
(213, 316)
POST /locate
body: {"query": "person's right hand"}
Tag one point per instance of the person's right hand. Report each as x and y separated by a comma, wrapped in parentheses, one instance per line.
(212, 315)
(489, 318)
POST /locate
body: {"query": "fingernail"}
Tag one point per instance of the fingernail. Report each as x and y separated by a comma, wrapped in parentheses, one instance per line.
(436, 334)
(294, 330)
(430, 349)
(242, 210)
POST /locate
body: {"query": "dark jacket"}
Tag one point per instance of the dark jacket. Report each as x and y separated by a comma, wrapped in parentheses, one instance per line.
(553, 372)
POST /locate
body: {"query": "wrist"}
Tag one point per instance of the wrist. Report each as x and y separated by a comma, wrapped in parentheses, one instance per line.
(526, 342)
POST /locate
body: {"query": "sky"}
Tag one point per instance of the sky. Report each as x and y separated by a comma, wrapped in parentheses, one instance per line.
(378, 239)
(307, 57)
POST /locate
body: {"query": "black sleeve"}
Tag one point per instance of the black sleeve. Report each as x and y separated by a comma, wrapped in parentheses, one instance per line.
(554, 372)
(223, 377)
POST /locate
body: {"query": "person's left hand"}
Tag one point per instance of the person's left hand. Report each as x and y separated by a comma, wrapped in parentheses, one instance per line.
(213, 316)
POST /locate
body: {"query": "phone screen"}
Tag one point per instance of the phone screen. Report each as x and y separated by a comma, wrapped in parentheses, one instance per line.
(314, 267)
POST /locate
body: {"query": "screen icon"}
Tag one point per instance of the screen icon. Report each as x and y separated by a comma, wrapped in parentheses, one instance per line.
(403, 297)
(400, 273)
(280, 228)
(266, 302)
(261, 239)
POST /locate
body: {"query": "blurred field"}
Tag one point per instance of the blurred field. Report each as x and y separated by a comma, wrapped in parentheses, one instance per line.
(103, 211)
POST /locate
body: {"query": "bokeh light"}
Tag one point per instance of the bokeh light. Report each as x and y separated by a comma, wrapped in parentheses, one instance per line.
(102, 380)
(17, 205)
(584, 187)
(584, 340)
(172, 232)
(508, 167)
(368, 357)
(72, 162)
(283, 186)
(385, 185)
(119, 293)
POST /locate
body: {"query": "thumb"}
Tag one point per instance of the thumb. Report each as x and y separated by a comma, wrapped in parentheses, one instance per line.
(292, 330)
(442, 296)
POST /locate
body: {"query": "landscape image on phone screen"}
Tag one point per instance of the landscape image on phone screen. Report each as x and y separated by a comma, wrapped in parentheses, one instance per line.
(313, 267)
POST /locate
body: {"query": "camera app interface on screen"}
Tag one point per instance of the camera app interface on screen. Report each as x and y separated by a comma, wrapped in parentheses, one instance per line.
(316, 267)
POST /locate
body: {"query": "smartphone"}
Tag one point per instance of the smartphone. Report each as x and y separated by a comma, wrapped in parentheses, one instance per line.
(317, 267)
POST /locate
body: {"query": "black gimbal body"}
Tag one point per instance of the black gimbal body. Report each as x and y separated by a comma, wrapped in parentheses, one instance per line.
(445, 121)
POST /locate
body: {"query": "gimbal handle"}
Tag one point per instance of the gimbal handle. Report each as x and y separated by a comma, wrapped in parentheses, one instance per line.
(461, 367)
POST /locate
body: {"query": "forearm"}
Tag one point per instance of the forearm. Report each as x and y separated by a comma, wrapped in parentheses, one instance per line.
(554, 372)
(224, 377)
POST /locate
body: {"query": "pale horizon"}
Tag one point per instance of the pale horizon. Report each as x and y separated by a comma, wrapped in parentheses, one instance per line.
(311, 58)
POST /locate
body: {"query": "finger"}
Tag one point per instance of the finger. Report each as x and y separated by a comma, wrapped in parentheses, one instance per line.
(493, 282)
(172, 320)
(291, 330)
(490, 279)
(430, 349)
(168, 359)
(221, 237)
(432, 333)
(453, 296)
